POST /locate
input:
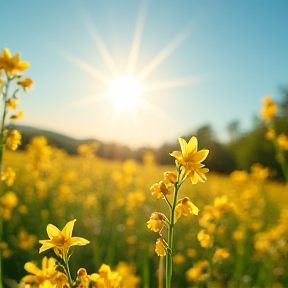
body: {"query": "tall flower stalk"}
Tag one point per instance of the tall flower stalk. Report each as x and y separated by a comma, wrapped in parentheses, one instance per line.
(188, 165)
(10, 75)
(280, 141)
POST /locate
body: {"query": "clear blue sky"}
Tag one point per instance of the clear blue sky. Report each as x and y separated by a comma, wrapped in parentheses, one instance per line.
(208, 62)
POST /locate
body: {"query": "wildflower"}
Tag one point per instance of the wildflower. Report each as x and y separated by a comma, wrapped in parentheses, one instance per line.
(205, 239)
(160, 247)
(190, 160)
(170, 177)
(282, 141)
(199, 272)
(9, 200)
(269, 109)
(270, 134)
(9, 176)
(127, 272)
(220, 254)
(19, 115)
(25, 83)
(13, 140)
(221, 206)
(83, 278)
(179, 259)
(185, 207)
(156, 222)
(111, 278)
(239, 175)
(10, 64)
(12, 103)
(42, 277)
(158, 190)
(61, 241)
(258, 172)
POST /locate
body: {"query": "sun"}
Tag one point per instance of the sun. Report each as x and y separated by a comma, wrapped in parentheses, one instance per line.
(124, 93)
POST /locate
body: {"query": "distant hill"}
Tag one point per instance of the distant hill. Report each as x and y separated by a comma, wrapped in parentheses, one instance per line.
(55, 139)
(106, 150)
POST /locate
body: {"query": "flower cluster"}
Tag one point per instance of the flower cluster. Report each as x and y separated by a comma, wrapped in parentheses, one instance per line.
(279, 140)
(188, 164)
(56, 273)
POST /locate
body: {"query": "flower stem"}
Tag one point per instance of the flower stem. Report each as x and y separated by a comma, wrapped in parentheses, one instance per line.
(169, 263)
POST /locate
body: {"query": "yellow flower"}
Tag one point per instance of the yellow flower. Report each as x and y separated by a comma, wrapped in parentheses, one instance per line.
(270, 134)
(12, 64)
(185, 207)
(156, 222)
(199, 272)
(25, 83)
(19, 115)
(9, 200)
(282, 141)
(191, 159)
(12, 103)
(269, 109)
(9, 176)
(61, 241)
(44, 276)
(111, 278)
(258, 172)
(160, 247)
(158, 190)
(13, 140)
(205, 239)
(220, 254)
(170, 177)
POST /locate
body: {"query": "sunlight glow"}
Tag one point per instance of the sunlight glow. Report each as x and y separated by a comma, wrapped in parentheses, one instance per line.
(125, 93)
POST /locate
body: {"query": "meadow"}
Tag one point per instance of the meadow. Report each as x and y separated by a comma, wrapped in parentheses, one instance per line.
(243, 218)
(215, 231)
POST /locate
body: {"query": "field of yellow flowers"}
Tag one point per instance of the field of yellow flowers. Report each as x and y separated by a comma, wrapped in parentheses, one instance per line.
(140, 224)
(238, 239)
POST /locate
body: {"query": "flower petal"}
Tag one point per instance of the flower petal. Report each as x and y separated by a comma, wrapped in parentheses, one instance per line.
(176, 154)
(192, 146)
(46, 244)
(32, 268)
(200, 156)
(183, 145)
(53, 231)
(193, 177)
(76, 241)
(67, 230)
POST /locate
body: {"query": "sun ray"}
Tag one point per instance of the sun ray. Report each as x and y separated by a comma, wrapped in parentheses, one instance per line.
(160, 57)
(89, 69)
(137, 37)
(100, 44)
(169, 84)
(88, 100)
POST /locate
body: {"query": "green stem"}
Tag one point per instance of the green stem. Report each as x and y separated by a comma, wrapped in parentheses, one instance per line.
(169, 263)
(66, 260)
(5, 94)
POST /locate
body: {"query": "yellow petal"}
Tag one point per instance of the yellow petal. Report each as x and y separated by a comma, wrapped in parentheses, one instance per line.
(67, 230)
(192, 146)
(53, 231)
(193, 177)
(183, 145)
(76, 241)
(200, 156)
(29, 279)
(176, 154)
(6, 54)
(32, 268)
(46, 244)
(23, 65)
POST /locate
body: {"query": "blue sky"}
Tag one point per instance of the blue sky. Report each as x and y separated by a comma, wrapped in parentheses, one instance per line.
(198, 62)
